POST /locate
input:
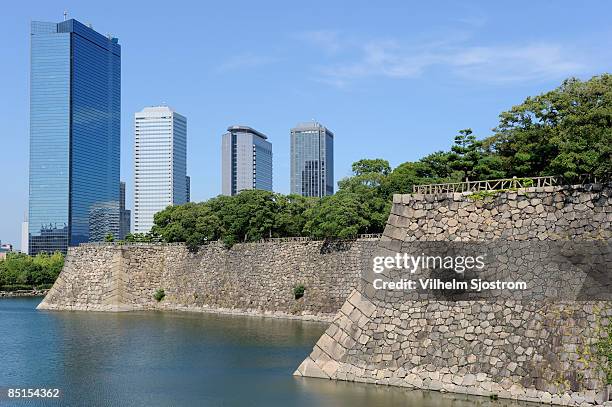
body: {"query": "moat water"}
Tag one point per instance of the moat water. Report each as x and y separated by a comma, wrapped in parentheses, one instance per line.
(176, 359)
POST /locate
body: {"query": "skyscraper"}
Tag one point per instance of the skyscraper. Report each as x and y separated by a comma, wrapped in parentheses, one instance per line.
(24, 236)
(246, 160)
(312, 160)
(124, 214)
(188, 188)
(75, 97)
(160, 163)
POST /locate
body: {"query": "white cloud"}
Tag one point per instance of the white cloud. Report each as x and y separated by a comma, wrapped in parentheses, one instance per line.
(490, 63)
(517, 63)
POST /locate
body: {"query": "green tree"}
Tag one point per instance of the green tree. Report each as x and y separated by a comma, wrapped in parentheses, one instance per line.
(473, 159)
(257, 210)
(291, 216)
(337, 216)
(247, 216)
(142, 237)
(465, 153)
(368, 166)
(367, 187)
(436, 168)
(46, 268)
(21, 269)
(400, 180)
(567, 131)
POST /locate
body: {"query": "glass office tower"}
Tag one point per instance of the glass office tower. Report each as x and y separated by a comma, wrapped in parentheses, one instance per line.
(188, 188)
(312, 160)
(75, 96)
(160, 163)
(124, 214)
(246, 160)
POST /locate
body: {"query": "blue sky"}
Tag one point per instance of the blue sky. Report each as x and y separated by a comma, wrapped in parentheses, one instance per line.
(396, 80)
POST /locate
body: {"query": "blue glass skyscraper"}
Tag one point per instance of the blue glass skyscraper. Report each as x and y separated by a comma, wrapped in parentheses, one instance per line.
(75, 101)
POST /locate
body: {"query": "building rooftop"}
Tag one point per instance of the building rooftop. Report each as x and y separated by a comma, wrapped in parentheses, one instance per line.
(245, 129)
(311, 126)
(159, 108)
(107, 42)
(155, 111)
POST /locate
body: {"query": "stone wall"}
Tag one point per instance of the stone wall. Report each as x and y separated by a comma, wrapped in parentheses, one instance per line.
(526, 350)
(248, 278)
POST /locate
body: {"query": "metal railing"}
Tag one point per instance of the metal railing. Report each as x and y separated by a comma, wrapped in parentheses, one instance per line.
(504, 183)
(315, 239)
(285, 239)
(370, 236)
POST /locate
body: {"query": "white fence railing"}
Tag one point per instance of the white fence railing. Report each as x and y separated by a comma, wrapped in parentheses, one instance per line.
(367, 236)
(504, 183)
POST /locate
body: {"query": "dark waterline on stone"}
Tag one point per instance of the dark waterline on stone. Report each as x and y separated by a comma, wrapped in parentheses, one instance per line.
(177, 359)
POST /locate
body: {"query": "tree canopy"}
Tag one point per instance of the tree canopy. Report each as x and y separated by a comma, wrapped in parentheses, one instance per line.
(567, 131)
(248, 216)
(24, 271)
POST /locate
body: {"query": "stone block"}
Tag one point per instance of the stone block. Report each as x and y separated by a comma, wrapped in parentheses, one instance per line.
(309, 368)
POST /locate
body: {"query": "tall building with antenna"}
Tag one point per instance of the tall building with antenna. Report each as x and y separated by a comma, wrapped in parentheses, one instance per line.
(75, 124)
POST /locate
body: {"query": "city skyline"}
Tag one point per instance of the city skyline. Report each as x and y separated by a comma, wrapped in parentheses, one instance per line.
(406, 76)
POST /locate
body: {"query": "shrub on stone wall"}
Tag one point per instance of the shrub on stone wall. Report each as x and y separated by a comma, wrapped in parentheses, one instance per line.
(604, 348)
(159, 294)
(298, 291)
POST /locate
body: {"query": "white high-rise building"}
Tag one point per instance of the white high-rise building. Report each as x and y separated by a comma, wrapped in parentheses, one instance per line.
(160, 163)
(24, 235)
